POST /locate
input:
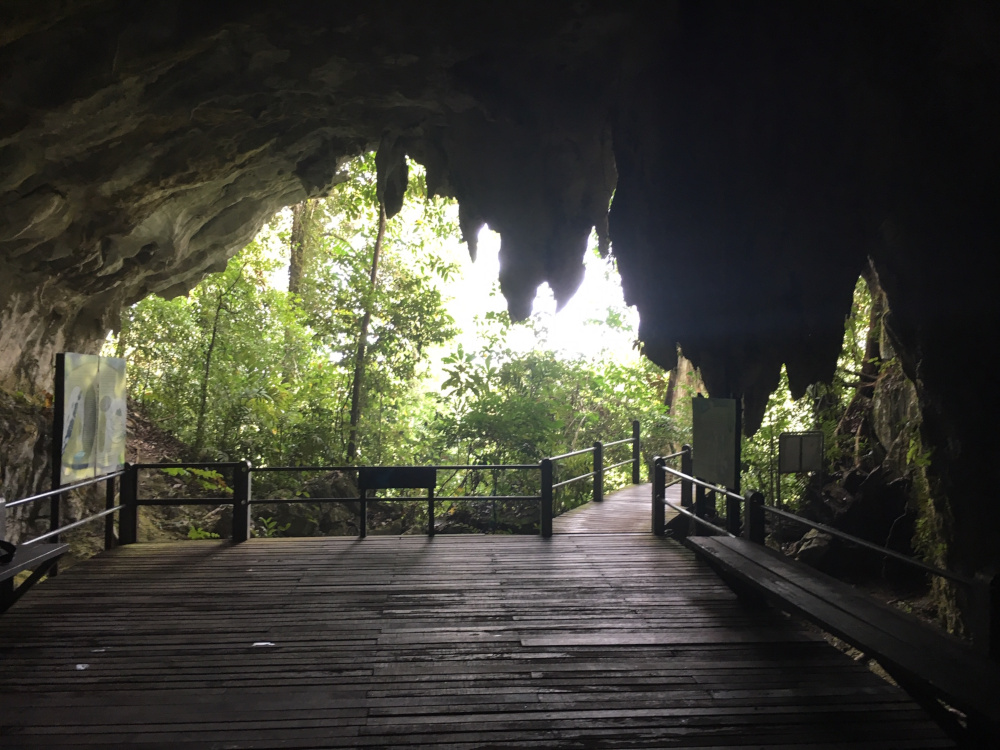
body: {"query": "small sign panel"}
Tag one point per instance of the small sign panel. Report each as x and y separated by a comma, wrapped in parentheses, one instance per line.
(90, 416)
(716, 440)
(800, 452)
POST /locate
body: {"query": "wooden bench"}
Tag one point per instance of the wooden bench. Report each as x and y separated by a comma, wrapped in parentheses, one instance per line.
(38, 558)
(927, 663)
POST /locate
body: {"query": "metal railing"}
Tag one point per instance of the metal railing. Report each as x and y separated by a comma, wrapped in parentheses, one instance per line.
(242, 498)
(123, 491)
(746, 517)
(597, 474)
(56, 528)
(493, 498)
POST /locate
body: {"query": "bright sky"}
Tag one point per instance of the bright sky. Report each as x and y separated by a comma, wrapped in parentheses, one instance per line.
(571, 331)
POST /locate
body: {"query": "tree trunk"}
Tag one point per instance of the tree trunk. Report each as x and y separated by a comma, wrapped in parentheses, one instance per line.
(359, 360)
(199, 433)
(297, 257)
(301, 215)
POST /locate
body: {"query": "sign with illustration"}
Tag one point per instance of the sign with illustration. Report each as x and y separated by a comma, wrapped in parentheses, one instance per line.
(90, 413)
(716, 441)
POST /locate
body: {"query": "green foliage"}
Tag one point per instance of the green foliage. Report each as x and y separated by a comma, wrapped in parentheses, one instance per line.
(499, 406)
(196, 533)
(241, 369)
(916, 455)
(205, 479)
(760, 452)
(267, 527)
(823, 408)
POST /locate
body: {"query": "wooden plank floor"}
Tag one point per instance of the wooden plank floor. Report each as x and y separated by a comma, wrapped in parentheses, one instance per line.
(628, 510)
(581, 641)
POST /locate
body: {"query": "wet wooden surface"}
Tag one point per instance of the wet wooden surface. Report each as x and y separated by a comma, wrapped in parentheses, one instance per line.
(910, 650)
(628, 510)
(580, 641)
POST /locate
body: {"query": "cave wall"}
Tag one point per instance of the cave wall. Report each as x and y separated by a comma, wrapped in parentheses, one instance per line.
(768, 152)
(143, 144)
(759, 153)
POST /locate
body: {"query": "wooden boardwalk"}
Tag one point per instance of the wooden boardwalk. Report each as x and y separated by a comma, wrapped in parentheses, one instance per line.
(580, 641)
(628, 510)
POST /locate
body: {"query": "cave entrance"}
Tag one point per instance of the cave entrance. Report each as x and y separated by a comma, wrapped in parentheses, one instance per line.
(341, 337)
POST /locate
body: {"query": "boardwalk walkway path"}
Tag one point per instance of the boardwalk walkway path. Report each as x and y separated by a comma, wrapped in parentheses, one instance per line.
(627, 510)
(580, 641)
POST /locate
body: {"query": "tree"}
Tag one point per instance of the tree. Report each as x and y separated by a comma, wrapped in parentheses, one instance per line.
(241, 369)
(359, 360)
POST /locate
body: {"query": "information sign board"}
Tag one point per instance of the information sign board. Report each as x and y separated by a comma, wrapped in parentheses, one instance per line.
(716, 440)
(800, 452)
(90, 416)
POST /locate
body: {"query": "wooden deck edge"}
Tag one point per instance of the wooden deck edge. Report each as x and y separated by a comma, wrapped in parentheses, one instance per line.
(925, 691)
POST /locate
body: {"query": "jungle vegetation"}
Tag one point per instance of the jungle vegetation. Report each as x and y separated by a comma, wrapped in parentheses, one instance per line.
(327, 341)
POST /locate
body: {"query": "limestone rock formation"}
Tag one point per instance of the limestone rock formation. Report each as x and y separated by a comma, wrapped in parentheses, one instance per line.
(758, 153)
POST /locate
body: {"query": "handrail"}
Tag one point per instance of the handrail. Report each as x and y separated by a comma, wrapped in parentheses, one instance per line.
(252, 469)
(192, 465)
(871, 545)
(574, 479)
(597, 451)
(65, 488)
(70, 526)
(241, 499)
(905, 559)
(256, 469)
(591, 450)
(469, 467)
(289, 500)
(706, 485)
(572, 453)
(678, 454)
(618, 442)
(178, 501)
(615, 466)
(698, 519)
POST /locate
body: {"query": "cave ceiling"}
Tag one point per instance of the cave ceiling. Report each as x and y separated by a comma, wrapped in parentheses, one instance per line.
(757, 154)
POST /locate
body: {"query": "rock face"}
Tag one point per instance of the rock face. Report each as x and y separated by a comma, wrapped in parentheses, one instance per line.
(760, 152)
(142, 147)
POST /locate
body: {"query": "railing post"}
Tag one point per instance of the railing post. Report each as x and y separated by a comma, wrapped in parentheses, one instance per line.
(598, 471)
(755, 526)
(363, 513)
(700, 503)
(430, 512)
(687, 467)
(55, 520)
(546, 519)
(109, 520)
(241, 502)
(636, 453)
(128, 516)
(659, 493)
(733, 521)
(985, 614)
